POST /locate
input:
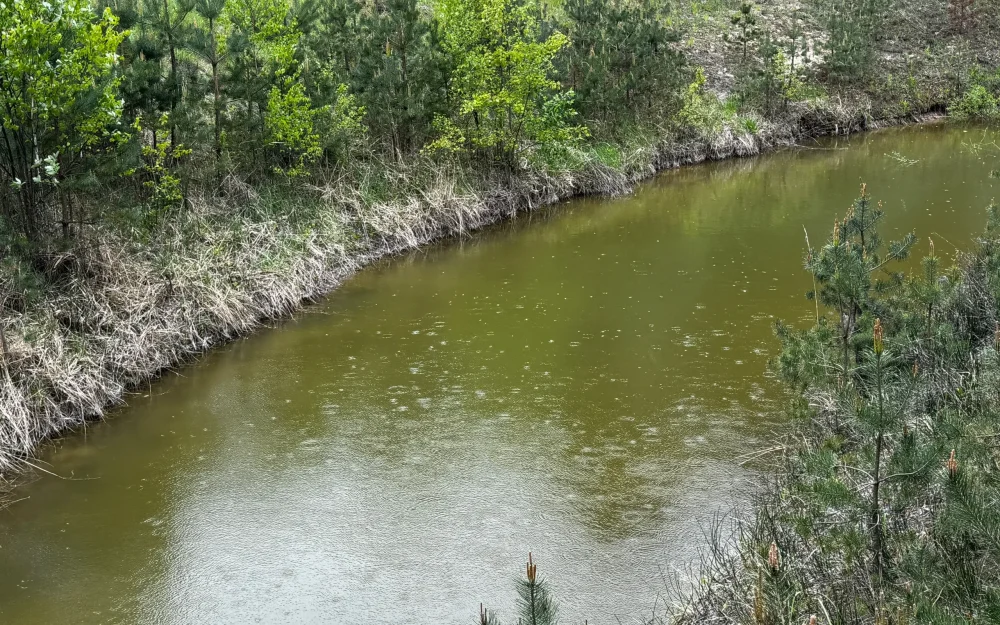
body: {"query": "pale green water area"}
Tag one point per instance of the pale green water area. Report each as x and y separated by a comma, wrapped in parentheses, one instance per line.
(580, 383)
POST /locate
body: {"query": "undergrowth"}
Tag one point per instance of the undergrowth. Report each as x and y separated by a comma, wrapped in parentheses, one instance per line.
(885, 505)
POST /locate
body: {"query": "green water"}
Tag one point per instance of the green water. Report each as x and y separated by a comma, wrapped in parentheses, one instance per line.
(580, 383)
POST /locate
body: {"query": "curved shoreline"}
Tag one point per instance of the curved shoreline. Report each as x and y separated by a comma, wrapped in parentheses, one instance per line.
(138, 321)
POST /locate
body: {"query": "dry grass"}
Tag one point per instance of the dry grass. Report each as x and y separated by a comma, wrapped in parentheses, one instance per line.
(123, 310)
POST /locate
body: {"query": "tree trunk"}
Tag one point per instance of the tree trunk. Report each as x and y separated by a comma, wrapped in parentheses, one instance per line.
(876, 517)
(218, 110)
(217, 102)
(174, 86)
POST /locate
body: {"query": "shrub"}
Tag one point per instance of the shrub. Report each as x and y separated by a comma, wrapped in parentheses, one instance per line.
(885, 508)
(702, 110)
(976, 104)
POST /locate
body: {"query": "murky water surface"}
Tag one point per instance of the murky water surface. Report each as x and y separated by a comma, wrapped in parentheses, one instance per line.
(581, 383)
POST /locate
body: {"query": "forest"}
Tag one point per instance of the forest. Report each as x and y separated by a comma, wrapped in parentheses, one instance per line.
(174, 173)
(124, 115)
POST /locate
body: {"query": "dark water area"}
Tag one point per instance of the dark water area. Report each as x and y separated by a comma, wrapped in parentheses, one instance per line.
(583, 382)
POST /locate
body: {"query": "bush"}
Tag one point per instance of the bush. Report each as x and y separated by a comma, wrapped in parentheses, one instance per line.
(886, 508)
(976, 104)
(852, 29)
(702, 110)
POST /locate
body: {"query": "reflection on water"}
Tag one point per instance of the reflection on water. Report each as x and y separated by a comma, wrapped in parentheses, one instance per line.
(579, 383)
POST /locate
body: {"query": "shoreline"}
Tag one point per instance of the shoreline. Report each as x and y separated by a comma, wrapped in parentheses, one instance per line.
(54, 393)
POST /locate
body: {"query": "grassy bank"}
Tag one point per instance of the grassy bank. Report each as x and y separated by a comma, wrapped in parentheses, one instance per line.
(120, 308)
(144, 239)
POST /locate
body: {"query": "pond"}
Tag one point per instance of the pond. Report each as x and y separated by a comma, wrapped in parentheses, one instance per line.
(586, 382)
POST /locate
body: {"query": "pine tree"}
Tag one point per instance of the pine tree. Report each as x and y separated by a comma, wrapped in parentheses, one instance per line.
(261, 46)
(206, 42)
(745, 31)
(621, 62)
(400, 74)
(534, 601)
(164, 23)
(852, 29)
(143, 86)
(535, 605)
(331, 44)
(844, 268)
(898, 493)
